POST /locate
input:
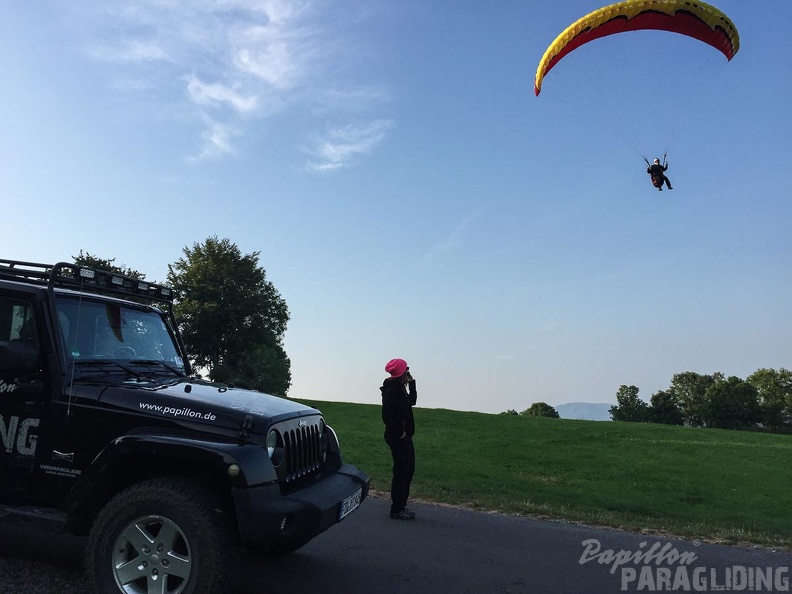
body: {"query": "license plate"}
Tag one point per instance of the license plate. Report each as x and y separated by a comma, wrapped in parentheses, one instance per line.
(350, 504)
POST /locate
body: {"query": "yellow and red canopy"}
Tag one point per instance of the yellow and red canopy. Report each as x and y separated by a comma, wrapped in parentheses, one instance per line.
(694, 19)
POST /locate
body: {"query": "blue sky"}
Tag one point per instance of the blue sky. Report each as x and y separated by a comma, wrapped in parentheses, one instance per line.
(409, 195)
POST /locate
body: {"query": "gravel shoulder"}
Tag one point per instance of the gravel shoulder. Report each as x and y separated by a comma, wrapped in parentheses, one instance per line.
(35, 561)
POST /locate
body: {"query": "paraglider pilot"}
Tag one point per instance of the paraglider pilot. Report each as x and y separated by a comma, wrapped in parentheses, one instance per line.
(658, 176)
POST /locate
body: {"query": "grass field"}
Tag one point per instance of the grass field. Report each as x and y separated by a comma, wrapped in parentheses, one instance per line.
(729, 486)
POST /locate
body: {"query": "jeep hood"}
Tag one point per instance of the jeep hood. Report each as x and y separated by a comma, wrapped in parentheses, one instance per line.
(195, 401)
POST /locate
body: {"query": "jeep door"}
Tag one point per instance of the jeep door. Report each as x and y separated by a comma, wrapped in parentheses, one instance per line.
(23, 390)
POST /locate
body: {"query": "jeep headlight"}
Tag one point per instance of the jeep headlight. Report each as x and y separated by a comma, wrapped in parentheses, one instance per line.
(275, 447)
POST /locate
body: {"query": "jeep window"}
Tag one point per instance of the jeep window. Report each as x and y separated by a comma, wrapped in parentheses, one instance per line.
(115, 331)
(19, 355)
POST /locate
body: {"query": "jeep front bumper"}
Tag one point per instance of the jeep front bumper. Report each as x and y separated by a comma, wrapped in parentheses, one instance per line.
(266, 517)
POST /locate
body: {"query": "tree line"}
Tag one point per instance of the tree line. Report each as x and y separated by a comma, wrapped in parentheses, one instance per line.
(762, 401)
(231, 318)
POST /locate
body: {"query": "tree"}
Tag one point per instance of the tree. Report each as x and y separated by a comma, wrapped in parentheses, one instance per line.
(688, 389)
(775, 397)
(91, 261)
(540, 409)
(664, 408)
(231, 317)
(265, 368)
(732, 403)
(629, 406)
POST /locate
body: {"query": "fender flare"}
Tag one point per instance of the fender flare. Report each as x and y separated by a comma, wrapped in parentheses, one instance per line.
(213, 453)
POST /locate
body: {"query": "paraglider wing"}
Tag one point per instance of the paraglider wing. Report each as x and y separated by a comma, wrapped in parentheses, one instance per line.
(686, 17)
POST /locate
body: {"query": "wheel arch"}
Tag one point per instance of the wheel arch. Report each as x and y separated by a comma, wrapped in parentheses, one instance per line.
(134, 458)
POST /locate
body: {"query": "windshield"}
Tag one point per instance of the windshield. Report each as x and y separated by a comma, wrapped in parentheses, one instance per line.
(113, 331)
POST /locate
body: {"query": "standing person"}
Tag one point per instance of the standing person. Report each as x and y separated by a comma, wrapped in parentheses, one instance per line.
(398, 398)
(657, 172)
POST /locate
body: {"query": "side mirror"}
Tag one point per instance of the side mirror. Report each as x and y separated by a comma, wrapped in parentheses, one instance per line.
(18, 356)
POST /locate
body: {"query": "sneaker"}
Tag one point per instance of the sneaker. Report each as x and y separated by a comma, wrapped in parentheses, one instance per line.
(403, 515)
(670, 188)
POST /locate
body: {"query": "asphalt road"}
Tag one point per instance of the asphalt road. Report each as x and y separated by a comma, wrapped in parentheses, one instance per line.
(446, 550)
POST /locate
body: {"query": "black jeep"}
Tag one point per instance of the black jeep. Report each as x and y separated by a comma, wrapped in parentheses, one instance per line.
(105, 432)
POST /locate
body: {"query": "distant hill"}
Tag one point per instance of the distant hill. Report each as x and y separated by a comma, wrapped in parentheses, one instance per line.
(588, 411)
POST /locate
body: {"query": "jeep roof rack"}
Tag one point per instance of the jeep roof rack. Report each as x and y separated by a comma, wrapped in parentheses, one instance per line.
(85, 278)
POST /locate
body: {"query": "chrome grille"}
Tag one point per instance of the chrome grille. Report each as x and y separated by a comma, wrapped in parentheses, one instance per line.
(302, 450)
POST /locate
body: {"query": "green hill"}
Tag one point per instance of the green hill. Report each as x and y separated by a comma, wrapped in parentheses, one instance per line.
(732, 486)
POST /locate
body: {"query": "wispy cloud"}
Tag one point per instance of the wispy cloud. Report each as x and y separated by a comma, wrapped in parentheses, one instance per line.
(340, 147)
(240, 61)
(216, 141)
(277, 54)
(215, 94)
(454, 239)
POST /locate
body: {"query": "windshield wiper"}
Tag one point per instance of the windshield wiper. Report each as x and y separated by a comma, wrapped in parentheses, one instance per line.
(156, 362)
(104, 363)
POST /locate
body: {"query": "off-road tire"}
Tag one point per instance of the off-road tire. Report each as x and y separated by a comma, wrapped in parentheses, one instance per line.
(197, 554)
